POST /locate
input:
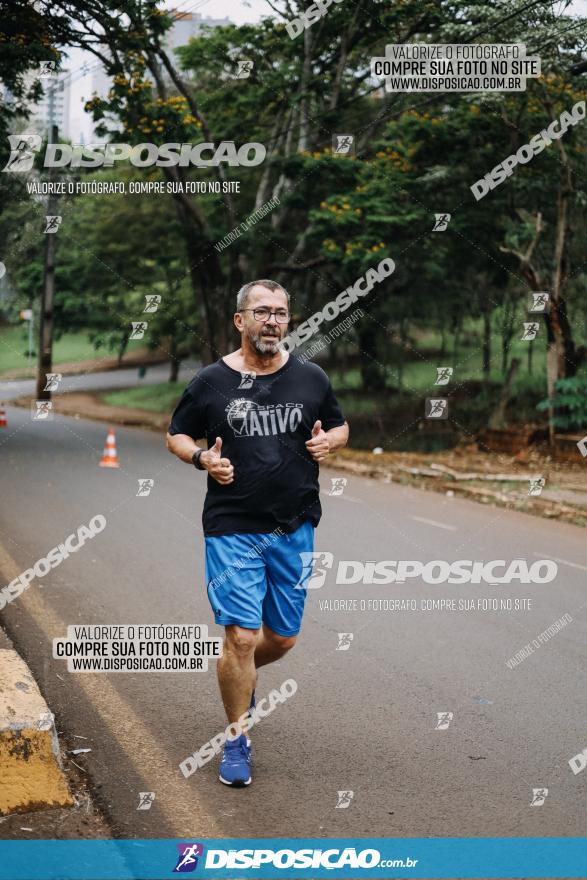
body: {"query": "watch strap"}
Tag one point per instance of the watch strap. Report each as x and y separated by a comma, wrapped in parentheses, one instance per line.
(196, 459)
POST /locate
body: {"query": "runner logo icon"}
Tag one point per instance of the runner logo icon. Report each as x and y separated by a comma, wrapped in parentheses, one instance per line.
(22, 151)
(315, 565)
(187, 859)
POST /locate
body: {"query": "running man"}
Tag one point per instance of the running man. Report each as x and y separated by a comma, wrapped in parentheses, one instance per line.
(268, 419)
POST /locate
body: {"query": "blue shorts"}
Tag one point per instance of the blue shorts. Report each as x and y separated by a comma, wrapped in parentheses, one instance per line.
(260, 578)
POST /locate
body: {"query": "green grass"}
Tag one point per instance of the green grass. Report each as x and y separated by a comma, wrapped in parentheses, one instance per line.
(71, 347)
(419, 373)
(355, 404)
(155, 398)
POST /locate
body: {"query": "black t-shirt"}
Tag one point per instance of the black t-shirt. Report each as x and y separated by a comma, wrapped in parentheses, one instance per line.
(264, 423)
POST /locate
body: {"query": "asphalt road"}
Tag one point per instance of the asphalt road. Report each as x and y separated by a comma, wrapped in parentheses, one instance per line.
(363, 719)
(108, 379)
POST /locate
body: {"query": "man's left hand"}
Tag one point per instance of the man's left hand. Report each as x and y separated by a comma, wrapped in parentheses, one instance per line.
(318, 446)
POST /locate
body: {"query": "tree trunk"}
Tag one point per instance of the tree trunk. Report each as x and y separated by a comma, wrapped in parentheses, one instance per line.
(205, 270)
(557, 321)
(303, 92)
(497, 417)
(122, 348)
(442, 339)
(456, 339)
(372, 376)
(486, 345)
(401, 352)
(560, 357)
(507, 332)
(207, 285)
(174, 361)
(46, 314)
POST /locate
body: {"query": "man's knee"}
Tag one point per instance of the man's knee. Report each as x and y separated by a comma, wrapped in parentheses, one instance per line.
(283, 644)
(241, 641)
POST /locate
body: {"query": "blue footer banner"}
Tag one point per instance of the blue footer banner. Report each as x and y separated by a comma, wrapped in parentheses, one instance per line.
(294, 857)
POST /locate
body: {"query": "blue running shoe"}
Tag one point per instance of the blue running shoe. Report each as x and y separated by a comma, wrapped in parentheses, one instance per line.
(235, 767)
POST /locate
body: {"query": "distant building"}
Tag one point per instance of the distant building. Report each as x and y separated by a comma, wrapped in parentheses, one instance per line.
(186, 25)
(54, 105)
(100, 80)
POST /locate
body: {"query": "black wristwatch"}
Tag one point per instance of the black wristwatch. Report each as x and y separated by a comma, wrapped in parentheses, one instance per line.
(196, 460)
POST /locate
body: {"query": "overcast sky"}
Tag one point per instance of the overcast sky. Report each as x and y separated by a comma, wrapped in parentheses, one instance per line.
(241, 11)
(238, 11)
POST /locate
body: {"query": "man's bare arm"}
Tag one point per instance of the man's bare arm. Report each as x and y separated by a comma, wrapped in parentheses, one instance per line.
(338, 437)
(183, 446)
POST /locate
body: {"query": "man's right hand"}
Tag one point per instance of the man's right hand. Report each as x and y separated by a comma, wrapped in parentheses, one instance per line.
(220, 469)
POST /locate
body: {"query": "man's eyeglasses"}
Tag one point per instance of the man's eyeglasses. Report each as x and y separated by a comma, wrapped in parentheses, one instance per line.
(263, 314)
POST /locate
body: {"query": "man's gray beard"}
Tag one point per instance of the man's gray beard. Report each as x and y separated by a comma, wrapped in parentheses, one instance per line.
(265, 347)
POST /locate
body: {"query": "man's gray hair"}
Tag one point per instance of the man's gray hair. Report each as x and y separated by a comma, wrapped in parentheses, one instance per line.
(243, 294)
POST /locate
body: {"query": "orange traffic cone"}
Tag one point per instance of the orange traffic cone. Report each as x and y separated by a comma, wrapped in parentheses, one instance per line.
(3, 422)
(109, 456)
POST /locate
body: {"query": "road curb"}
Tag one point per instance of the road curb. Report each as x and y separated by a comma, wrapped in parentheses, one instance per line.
(30, 763)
